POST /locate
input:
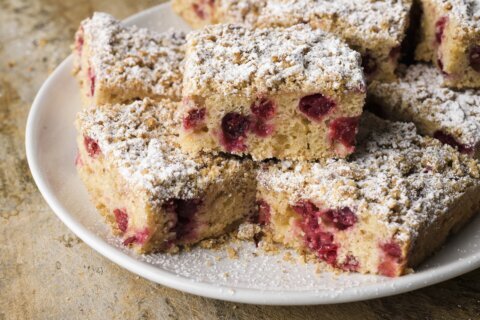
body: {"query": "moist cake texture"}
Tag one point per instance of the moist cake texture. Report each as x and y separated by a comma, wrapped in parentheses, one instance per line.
(153, 195)
(386, 209)
(449, 115)
(290, 93)
(450, 39)
(115, 63)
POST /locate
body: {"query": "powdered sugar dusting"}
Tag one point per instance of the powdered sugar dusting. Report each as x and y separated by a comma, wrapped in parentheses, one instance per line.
(132, 58)
(229, 59)
(140, 141)
(466, 12)
(419, 97)
(368, 22)
(406, 181)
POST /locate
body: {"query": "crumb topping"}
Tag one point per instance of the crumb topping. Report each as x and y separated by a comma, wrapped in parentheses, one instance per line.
(467, 12)
(374, 22)
(138, 140)
(232, 59)
(129, 56)
(419, 93)
(406, 181)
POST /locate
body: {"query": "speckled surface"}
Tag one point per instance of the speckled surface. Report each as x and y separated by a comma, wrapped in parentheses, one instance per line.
(48, 273)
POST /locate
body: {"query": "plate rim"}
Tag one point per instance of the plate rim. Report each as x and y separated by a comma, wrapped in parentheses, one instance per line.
(242, 295)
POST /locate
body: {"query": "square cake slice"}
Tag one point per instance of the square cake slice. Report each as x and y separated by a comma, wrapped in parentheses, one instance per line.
(450, 38)
(451, 116)
(197, 13)
(115, 63)
(375, 28)
(289, 93)
(382, 212)
(151, 193)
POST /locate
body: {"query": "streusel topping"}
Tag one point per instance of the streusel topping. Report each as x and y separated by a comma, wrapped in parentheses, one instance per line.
(232, 59)
(467, 12)
(406, 181)
(377, 21)
(138, 140)
(420, 91)
(124, 55)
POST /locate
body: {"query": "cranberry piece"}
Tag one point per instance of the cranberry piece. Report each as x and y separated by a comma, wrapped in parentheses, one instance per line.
(263, 212)
(350, 264)
(140, 237)
(92, 146)
(392, 249)
(122, 219)
(450, 140)
(317, 240)
(388, 268)
(316, 106)
(263, 108)
(475, 57)
(440, 28)
(194, 118)
(369, 64)
(395, 53)
(234, 128)
(344, 130)
(260, 127)
(91, 77)
(78, 160)
(79, 42)
(341, 218)
(185, 211)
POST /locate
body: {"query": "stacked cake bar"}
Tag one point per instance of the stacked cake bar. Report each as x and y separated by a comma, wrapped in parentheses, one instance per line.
(375, 28)
(293, 93)
(392, 204)
(450, 38)
(153, 195)
(451, 116)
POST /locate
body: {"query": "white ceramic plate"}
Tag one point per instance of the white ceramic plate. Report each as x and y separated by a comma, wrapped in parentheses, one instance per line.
(262, 279)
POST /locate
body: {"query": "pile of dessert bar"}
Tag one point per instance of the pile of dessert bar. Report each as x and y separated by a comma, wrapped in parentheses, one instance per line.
(259, 116)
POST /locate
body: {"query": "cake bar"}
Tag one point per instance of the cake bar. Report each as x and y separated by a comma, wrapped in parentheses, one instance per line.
(383, 211)
(289, 93)
(375, 28)
(115, 63)
(151, 193)
(451, 116)
(450, 38)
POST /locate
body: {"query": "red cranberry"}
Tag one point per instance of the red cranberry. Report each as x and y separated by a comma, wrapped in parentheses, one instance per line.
(185, 211)
(263, 108)
(92, 146)
(79, 42)
(122, 219)
(199, 11)
(341, 218)
(234, 128)
(392, 249)
(194, 118)
(261, 128)
(369, 64)
(344, 130)
(440, 28)
(388, 268)
(350, 264)
(78, 160)
(450, 140)
(316, 106)
(91, 77)
(395, 53)
(140, 237)
(322, 243)
(475, 57)
(263, 212)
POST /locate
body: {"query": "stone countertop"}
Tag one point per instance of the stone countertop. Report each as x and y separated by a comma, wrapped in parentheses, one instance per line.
(46, 272)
